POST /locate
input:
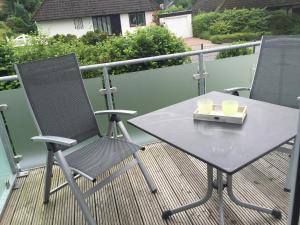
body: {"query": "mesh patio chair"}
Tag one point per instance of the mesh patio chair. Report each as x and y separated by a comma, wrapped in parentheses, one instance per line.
(64, 118)
(277, 78)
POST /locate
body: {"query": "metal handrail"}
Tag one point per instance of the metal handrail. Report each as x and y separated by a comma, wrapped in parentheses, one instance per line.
(153, 58)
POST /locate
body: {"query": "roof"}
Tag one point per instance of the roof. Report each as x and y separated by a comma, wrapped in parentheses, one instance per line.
(229, 4)
(206, 5)
(65, 9)
(179, 13)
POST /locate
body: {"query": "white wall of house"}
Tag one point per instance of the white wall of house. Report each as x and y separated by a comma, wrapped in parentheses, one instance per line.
(180, 25)
(125, 22)
(65, 26)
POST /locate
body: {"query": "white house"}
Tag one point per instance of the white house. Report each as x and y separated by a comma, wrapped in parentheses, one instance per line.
(80, 16)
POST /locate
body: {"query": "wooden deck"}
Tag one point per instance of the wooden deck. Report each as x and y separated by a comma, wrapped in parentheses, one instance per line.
(126, 201)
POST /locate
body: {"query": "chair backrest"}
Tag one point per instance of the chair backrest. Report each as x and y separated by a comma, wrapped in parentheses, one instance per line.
(57, 97)
(277, 77)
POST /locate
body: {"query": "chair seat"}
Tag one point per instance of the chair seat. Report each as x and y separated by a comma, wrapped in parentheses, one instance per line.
(100, 155)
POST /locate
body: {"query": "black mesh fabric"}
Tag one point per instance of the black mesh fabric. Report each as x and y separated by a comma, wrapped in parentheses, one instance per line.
(277, 78)
(100, 155)
(58, 98)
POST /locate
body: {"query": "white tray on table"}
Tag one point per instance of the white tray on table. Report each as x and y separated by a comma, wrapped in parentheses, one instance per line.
(217, 115)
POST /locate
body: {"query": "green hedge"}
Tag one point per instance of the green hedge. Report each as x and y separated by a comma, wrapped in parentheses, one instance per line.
(235, 52)
(243, 24)
(229, 38)
(144, 42)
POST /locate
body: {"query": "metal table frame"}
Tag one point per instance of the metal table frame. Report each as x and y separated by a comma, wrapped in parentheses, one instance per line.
(220, 185)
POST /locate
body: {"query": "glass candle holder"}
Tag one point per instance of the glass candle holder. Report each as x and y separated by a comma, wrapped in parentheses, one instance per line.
(230, 107)
(205, 106)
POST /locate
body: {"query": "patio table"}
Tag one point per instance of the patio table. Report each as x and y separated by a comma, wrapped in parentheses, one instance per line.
(226, 147)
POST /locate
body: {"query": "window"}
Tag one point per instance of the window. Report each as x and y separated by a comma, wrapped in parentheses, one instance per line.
(102, 23)
(137, 19)
(78, 23)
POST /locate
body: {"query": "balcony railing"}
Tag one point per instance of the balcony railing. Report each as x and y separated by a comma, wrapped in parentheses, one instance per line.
(143, 91)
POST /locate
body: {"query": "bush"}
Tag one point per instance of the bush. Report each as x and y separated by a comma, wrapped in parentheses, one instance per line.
(18, 25)
(235, 52)
(6, 65)
(243, 24)
(94, 37)
(202, 22)
(281, 23)
(145, 42)
(63, 38)
(5, 31)
(228, 38)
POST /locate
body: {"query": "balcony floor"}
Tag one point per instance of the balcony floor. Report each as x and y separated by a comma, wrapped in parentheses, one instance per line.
(126, 201)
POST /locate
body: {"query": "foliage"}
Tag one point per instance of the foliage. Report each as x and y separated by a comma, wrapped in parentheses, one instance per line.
(144, 42)
(229, 38)
(92, 38)
(235, 52)
(6, 65)
(243, 24)
(5, 31)
(149, 41)
(6, 58)
(281, 23)
(202, 22)
(172, 9)
(17, 15)
(185, 4)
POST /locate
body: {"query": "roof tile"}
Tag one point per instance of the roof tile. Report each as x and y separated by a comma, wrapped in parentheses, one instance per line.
(64, 9)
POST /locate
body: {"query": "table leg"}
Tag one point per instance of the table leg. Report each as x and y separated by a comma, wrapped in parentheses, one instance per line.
(274, 212)
(220, 196)
(166, 214)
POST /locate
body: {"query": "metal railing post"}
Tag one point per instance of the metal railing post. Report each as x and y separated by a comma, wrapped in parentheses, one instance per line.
(109, 95)
(201, 76)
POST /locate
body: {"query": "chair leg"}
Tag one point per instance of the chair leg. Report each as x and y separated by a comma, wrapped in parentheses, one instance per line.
(74, 188)
(48, 177)
(145, 172)
(110, 129)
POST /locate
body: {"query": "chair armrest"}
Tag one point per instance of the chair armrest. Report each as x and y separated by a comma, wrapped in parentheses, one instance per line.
(55, 140)
(117, 112)
(236, 89)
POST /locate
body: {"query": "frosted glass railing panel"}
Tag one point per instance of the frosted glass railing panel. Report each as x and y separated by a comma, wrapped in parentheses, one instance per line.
(146, 91)
(22, 127)
(231, 72)
(150, 90)
(5, 175)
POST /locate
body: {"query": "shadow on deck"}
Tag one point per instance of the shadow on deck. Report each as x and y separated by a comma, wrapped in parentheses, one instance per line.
(126, 201)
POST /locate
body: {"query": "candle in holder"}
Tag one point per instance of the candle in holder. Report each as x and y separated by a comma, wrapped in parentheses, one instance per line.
(230, 107)
(205, 106)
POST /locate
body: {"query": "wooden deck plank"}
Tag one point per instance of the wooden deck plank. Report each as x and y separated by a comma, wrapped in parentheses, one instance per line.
(106, 208)
(261, 176)
(197, 177)
(165, 194)
(84, 185)
(180, 179)
(25, 209)
(44, 213)
(128, 210)
(13, 203)
(246, 215)
(181, 187)
(147, 201)
(64, 208)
